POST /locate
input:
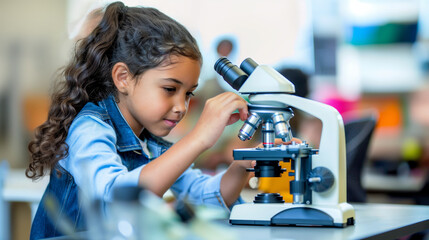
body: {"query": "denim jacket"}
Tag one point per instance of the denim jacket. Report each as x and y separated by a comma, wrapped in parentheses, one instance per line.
(105, 153)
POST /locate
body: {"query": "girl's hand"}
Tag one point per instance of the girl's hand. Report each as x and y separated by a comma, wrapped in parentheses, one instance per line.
(218, 113)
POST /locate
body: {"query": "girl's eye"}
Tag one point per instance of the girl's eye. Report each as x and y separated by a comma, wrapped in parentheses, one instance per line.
(190, 94)
(169, 89)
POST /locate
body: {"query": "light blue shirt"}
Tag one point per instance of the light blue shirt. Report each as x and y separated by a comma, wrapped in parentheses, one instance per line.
(97, 168)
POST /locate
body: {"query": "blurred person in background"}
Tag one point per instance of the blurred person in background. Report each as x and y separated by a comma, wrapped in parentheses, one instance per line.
(223, 46)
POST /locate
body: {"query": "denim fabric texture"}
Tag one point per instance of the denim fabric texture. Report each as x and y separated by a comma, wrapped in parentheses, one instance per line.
(104, 153)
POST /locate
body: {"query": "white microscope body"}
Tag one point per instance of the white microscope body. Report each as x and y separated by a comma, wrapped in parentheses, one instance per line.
(320, 187)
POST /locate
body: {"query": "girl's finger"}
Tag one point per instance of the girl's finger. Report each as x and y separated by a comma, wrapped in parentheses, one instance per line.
(233, 118)
(296, 140)
(253, 164)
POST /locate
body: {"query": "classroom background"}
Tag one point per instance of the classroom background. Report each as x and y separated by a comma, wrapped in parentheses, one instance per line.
(362, 57)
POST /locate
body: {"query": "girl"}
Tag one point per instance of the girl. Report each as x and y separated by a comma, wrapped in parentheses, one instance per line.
(127, 86)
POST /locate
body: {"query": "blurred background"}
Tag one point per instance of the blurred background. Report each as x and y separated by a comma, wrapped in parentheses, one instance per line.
(364, 57)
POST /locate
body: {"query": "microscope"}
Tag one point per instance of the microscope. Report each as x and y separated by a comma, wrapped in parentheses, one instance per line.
(319, 176)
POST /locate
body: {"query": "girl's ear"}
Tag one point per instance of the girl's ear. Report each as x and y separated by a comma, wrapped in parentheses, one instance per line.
(121, 77)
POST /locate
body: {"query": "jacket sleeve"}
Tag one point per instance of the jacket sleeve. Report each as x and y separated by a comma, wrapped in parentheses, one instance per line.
(200, 189)
(93, 160)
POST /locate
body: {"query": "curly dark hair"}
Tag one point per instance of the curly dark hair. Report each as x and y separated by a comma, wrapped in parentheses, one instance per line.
(140, 37)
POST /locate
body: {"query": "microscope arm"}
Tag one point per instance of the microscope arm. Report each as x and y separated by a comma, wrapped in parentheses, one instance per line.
(332, 150)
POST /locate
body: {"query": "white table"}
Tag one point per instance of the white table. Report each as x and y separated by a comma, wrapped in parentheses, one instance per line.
(373, 222)
(19, 188)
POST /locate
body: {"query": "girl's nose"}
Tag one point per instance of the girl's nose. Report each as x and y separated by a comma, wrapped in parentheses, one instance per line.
(180, 106)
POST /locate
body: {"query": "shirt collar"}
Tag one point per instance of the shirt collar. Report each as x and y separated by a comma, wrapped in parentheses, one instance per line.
(126, 139)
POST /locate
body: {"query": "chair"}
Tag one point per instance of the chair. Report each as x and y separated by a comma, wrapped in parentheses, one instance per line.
(4, 209)
(358, 134)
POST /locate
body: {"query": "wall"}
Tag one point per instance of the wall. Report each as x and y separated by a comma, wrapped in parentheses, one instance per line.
(33, 44)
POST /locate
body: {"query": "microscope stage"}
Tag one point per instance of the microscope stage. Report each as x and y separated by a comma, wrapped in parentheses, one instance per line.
(278, 153)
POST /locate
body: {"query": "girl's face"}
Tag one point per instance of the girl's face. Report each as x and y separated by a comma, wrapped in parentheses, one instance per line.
(160, 98)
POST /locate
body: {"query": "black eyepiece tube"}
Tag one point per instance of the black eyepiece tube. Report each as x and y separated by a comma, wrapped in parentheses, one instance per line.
(232, 74)
(248, 65)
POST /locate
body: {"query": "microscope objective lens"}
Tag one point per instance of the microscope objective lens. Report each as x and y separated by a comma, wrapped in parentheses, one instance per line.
(249, 127)
(268, 135)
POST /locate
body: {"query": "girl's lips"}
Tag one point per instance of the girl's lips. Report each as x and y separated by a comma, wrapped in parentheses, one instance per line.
(171, 123)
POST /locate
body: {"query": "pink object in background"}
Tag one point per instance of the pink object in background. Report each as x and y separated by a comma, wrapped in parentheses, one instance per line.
(329, 95)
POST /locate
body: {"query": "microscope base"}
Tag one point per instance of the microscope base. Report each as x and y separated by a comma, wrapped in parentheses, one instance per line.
(340, 215)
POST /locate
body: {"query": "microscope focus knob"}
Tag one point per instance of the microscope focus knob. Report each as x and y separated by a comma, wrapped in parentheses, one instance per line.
(321, 179)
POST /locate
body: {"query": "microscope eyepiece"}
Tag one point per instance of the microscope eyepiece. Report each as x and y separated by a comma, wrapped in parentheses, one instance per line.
(248, 65)
(232, 74)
